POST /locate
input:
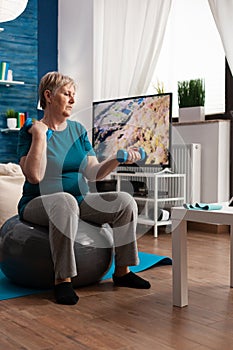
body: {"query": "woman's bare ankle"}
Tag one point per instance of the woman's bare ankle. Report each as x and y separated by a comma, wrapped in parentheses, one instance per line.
(59, 281)
(121, 271)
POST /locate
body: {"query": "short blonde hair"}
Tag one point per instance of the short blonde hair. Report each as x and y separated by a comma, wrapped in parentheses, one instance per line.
(52, 81)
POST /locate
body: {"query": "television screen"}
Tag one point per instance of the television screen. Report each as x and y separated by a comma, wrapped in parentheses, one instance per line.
(142, 121)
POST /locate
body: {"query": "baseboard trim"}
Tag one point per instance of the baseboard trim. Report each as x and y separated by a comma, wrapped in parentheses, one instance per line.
(211, 228)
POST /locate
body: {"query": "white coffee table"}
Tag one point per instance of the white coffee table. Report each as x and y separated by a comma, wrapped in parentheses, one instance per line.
(179, 218)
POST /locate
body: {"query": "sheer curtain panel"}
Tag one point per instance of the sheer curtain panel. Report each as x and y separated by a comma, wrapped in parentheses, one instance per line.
(128, 36)
(222, 11)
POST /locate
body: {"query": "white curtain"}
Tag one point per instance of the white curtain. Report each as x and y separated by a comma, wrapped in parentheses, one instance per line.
(128, 35)
(222, 11)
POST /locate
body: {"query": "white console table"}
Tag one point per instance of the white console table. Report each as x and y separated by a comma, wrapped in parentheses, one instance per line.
(164, 189)
(179, 217)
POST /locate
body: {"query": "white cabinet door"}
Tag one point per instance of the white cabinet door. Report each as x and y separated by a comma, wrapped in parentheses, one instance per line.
(214, 137)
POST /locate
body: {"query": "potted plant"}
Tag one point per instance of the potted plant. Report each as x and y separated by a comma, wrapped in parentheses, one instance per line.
(191, 100)
(11, 116)
(159, 87)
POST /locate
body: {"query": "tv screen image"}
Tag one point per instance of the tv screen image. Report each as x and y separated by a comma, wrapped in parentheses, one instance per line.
(142, 121)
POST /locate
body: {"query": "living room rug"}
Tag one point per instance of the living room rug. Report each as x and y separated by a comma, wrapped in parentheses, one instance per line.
(9, 290)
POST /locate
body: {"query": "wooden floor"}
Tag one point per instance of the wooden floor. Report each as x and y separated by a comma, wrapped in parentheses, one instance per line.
(113, 318)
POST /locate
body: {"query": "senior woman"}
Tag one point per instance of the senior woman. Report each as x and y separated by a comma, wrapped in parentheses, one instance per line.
(55, 192)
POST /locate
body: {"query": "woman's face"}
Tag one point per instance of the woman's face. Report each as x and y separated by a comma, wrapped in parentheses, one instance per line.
(62, 101)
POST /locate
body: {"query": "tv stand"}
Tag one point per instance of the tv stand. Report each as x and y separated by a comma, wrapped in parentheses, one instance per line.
(165, 171)
(166, 190)
(125, 172)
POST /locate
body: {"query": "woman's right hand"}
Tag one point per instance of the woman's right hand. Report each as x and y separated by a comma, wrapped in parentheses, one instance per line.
(38, 128)
(34, 163)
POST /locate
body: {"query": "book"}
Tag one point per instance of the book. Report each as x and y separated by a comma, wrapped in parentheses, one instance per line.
(20, 119)
(4, 67)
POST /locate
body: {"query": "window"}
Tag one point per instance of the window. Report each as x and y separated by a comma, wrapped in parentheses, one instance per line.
(192, 49)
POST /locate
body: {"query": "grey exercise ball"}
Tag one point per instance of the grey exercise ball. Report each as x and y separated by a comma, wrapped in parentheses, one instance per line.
(25, 256)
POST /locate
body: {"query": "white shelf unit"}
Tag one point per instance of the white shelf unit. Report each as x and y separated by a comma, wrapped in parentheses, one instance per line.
(7, 130)
(165, 190)
(11, 82)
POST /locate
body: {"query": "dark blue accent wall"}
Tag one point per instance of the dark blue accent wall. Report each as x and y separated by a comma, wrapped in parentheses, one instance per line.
(47, 36)
(29, 44)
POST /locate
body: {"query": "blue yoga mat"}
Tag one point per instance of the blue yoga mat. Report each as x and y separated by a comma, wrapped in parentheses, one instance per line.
(9, 290)
(146, 261)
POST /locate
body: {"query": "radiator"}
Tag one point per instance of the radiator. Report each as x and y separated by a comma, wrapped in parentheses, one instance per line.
(186, 159)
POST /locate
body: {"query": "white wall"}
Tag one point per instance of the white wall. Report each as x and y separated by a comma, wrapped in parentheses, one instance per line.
(75, 53)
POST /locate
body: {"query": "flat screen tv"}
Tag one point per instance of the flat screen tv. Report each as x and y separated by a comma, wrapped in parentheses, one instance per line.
(142, 121)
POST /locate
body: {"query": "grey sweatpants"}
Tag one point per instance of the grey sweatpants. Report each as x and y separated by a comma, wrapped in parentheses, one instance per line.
(61, 213)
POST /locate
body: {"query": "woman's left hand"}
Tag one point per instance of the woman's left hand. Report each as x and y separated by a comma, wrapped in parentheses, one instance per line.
(133, 155)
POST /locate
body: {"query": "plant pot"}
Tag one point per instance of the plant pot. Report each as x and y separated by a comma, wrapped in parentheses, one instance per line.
(11, 123)
(191, 114)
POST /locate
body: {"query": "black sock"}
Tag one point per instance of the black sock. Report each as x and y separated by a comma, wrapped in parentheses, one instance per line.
(64, 294)
(131, 280)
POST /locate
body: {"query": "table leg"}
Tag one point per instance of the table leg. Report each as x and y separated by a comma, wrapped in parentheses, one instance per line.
(231, 256)
(179, 263)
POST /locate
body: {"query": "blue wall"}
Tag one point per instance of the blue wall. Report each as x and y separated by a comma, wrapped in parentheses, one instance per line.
(29, 44)
(47, 36)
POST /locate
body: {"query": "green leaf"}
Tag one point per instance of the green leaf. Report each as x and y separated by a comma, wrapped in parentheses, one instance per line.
(191, 93)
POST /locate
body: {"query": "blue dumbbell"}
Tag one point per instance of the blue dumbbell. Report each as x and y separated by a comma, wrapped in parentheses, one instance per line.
(122, 155)
(28, 125)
